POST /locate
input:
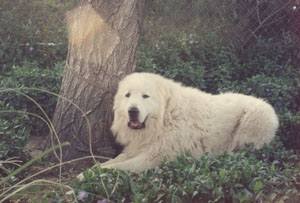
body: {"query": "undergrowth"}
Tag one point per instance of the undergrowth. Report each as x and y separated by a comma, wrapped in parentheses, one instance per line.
(271, 174)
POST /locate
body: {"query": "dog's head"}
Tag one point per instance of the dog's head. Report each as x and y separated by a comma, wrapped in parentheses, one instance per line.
(138, 101)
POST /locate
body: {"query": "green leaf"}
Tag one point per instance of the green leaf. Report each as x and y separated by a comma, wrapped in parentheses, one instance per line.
(195, 193)
(218, 193)
(137, 198)
(222, 173)
(176, 199)
(273, 196)
(133, 187)
(258, 186)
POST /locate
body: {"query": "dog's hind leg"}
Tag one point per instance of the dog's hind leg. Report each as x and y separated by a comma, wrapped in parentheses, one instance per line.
(258, 125)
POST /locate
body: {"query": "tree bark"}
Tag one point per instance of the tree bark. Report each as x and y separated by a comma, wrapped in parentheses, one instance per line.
(103, 40)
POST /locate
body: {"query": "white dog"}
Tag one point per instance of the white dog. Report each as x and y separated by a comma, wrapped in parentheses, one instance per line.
(155, 117)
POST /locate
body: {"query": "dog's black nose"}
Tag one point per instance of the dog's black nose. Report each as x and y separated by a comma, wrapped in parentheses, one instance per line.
(133, 113)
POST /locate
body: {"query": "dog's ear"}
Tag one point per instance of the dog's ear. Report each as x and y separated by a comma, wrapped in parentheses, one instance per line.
(166, 102)
(116, 122)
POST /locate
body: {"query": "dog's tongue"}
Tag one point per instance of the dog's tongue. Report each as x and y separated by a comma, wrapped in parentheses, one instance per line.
(135, 123)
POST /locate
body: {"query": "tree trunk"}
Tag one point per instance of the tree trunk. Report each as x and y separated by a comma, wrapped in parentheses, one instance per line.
(103, 39)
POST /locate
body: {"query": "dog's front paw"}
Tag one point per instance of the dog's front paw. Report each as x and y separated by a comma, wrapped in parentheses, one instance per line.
(90, 174)
(80, 177)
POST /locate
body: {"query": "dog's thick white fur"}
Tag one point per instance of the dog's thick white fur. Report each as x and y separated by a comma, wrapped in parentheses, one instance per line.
(168, 118)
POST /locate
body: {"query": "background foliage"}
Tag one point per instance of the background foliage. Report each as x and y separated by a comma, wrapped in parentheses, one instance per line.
(32, 30)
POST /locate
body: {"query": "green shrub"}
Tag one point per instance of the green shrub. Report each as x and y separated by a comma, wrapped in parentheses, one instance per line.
(13, 132)
(31, 76)
(289, 130)
(271, 57)
(270, 174)
(217, 61)
(32, 30)
(280, 92)
(170, 58)
(235, 21)
(15, 127)
(203, 63)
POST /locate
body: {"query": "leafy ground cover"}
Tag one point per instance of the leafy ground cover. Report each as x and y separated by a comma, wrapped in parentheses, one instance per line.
(270, 174)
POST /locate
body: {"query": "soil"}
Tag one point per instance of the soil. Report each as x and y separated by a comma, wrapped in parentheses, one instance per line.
(35, 147)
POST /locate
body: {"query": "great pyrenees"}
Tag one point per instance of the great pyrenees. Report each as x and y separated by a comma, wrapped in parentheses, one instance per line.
(155, 117)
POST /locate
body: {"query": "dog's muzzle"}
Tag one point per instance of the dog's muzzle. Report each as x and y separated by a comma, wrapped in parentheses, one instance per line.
(134, 122)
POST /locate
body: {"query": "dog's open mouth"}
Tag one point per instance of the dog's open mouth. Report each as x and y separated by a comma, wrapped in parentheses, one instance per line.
(136, 125)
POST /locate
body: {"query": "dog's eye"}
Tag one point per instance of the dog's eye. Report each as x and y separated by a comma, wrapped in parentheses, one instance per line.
(145, 96)
(127, 95)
